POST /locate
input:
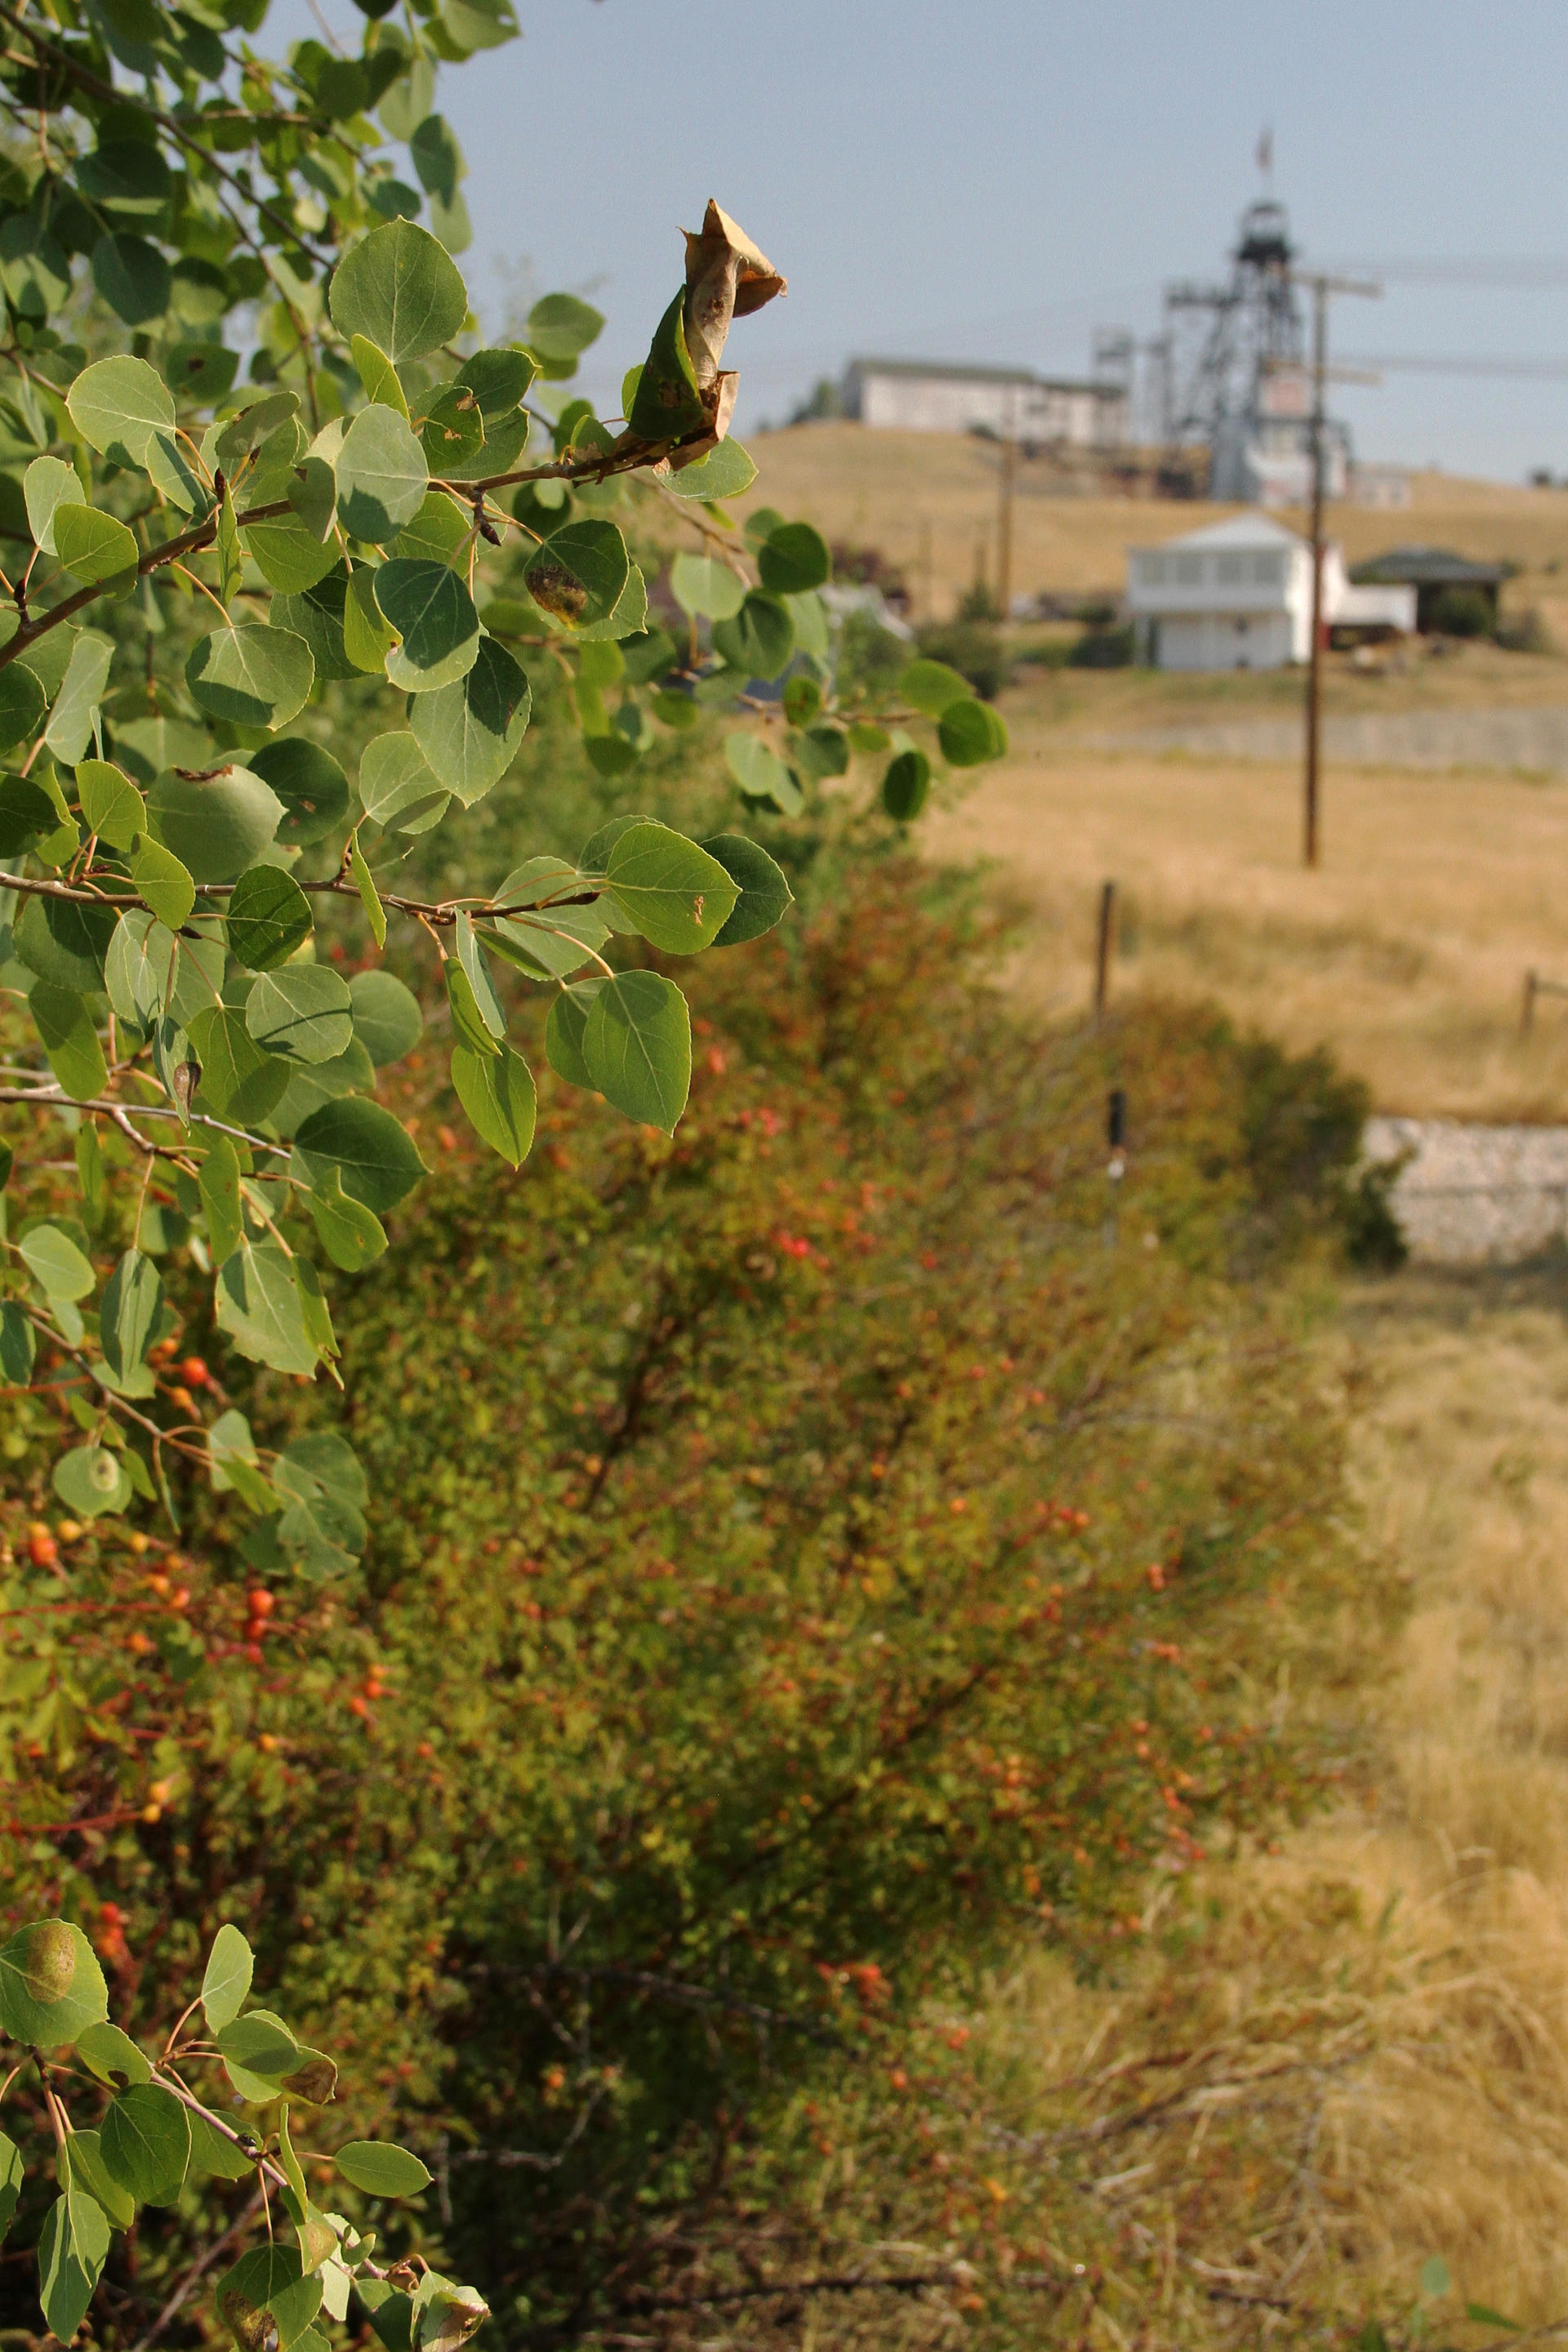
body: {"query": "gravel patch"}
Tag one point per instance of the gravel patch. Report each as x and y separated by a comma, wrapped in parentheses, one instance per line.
(1534, 740)
(1473, 1196)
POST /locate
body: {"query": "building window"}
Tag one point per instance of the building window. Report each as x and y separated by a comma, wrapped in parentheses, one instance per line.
(1189, 571)
(1268, 570)
(1151, 570)
(1230, 571)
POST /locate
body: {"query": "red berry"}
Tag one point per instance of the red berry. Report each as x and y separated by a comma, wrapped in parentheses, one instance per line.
(255, 1631)
(253, 1652)
(358, 1707)
(195, 1373)
(43, 1550)
(260, 1602)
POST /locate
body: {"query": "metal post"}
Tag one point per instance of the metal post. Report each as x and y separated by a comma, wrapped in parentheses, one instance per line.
(1102, 948)
(1315, 658)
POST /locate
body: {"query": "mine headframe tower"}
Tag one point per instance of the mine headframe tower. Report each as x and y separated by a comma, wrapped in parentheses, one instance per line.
(1223, 340)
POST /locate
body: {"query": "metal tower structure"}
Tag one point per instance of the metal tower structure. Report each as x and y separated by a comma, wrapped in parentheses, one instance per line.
(1225, 341)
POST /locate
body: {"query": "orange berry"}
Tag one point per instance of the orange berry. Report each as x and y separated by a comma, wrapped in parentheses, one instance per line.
(266, 1741)
(181, 1597)
(358, 1707)
(140, 1643)
(182, 1400)
(194, 1373)
(43, 1550)
(260, 1601)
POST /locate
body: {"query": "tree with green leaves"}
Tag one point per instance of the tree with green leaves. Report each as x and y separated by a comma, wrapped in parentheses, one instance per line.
(214, 588)
(153, 2133)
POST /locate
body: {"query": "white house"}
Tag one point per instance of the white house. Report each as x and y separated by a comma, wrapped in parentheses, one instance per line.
(1239, 596)
(933, 397)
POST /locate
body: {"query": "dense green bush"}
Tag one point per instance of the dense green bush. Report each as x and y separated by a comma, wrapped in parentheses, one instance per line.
(974, 646)
(1461, 613)
(791, 1581)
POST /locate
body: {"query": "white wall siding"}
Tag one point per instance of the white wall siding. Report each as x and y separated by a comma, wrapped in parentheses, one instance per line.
(1223, 641)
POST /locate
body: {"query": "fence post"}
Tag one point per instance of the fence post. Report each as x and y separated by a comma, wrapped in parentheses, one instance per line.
(1527, 1011)
(1102, 948)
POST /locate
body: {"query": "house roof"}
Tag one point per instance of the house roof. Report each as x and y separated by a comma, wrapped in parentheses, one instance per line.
(966, 372)
(1431, 567)
(1241, 531)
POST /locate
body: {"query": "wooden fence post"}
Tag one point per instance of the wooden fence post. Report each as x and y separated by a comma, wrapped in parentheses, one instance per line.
(1102, 948)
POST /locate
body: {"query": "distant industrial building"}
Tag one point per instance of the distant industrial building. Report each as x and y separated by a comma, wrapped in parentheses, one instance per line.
(1239, 596)
(1014, 404)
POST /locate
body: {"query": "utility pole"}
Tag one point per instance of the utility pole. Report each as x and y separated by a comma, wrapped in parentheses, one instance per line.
(1323, 287)
(1005, 512)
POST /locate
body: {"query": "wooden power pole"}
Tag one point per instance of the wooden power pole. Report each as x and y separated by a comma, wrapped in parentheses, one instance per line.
(1323, 287)
(1005, 525)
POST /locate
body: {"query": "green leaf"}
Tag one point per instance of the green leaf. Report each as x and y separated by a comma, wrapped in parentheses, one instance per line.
(219, 1183)
(1485, 2317)
(376, 1155)
(84, 2166)
(352, 1235)
(64, 941)
(764, 894)
(71, 2251)
(381, 2168)
(905, 785)
(563, 1033)
(94, 548)
(451, 429)
(370, 898)
(239, 1081)
(230, 552)
(387, 1015)
(381, 470)
(272, 2279)
(268, 917)
(201, 372)
(726, 472)
(470, 732)
(127, 1315)
(26, 811)
(561, 326)
(636, 1044)
(217, 823)
(667, 404)
(111, 803)
(90, 1480)
(259, 1307)
(367, 639)
(304, 1010)
(289, 555)
(49, 483)
(759, 639)
(253, 677)
(318, 617)
(400, 290)
(51, 1987)
(147, 2143)
(112, 2055)
(1433, 2280)
(215, 2155)
(580, 572)
(793, 558)
(11, 2178)
(468, 1023)
(437, 531)
(762, 774)
(314, 496)
(496, 1090)
(971, 732)
(69, 1039)
(120, 405)
(253, 424)
(22, 706)
(309, 783)
(133, 277)
(431, 610)
(498, 379)
(378, 375)
(676, 895)
(260, 2043)
(60, 1271)
(701, 584)
(17, 1345)
(932, 688)
(396, 781)
(163, 883)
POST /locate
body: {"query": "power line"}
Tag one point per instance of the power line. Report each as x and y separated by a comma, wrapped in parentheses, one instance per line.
(1527, 273)
(1538, 371)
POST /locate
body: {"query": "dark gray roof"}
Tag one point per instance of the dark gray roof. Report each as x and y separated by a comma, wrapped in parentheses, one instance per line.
(1430, 567)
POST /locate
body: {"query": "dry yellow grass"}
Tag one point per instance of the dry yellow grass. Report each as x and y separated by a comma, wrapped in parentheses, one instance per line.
(1360, 2041)
(1405, 951)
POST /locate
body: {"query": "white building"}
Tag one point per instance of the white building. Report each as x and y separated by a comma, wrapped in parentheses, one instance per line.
(932, 396)
(1239, 597)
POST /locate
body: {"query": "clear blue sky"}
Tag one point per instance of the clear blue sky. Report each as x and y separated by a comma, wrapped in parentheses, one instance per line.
(992, 180)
